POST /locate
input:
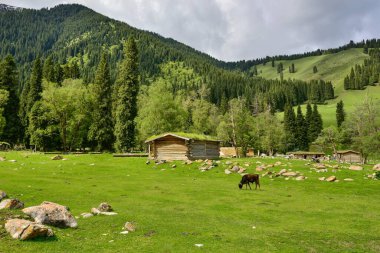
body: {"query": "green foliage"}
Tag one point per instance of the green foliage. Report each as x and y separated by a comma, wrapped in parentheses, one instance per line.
(35, 85)
(126, 90)
(315, 125)
(301, 133)
(340, 114)
(366, 74)
(329, 139)
(69, 105)
(101, 129)
(235, 125)
(9, 81)
(364, 127)
(290, 127)
(159, 111)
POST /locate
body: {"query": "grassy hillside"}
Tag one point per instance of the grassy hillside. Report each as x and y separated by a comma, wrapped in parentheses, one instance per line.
(176, 208)
(331, 67)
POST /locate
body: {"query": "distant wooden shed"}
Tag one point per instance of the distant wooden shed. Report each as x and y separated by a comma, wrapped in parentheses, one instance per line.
(349, 156)
(183, 146)
(306, 154)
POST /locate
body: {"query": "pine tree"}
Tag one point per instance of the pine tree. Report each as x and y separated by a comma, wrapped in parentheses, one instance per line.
(9, 81)
(101, 129)
(289, 127)
(316, 125)
(301, 131)
(35, 85)
(273, 63)
(365, 49)
(340, 114)
(315, 70)
(308, 118)
(48, 69)
(126, 89)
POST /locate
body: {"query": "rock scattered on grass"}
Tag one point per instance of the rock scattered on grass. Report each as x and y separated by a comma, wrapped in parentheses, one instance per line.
(25, 229)
(198, 245)
(11, 204)
(130, 226)
(124, 232)
(105, 207)
(50, 213)
(321, 178)
(331, 179)
(355, 167)
(348, 179)
(2, 159)
(226, 171)
(300, 178)
(86, 215)
(57, 157)
(290, 174)
(13, 161)
(376, 167)
(3, 194)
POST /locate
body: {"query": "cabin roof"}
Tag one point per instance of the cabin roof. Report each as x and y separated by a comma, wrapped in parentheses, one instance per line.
(184, 136)
(347, 151)
(306, 153)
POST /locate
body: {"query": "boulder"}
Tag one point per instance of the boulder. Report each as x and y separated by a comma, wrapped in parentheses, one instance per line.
(246, 164)
(259, 168)
(2, 159)
(174, 166)
(25, 229)
(147, 162)
(331, 179)
(3, 194)
(228, 162)
(227, 171)
(269, 166)
(95, 211)
(86, 215)
(11, 204)
(321, 178)
(335, 167)
(290, 174)
(130, 226)
(355, 167)
(13, 161)
(320, 166)
(242, 170)
(57, 157)
(300, 178)
(277, 163)
(235, 168)
(282, 172)
(108, 213)
(51, 214)
(348, 179)
(376, 167)
(104, 207)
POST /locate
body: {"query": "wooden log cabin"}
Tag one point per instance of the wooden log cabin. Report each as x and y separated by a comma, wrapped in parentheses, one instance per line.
(182, 146)
(306, 154)
(349, 156)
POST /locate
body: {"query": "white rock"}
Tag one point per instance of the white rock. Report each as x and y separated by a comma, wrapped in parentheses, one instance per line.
(124, 232)
(198, 245)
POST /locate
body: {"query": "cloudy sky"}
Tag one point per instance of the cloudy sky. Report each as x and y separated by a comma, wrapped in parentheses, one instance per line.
(243, 29)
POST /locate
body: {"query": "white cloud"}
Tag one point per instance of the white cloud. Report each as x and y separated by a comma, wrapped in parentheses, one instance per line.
(243, 29)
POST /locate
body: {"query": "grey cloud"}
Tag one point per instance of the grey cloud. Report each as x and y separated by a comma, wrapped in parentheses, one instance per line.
(243, 29)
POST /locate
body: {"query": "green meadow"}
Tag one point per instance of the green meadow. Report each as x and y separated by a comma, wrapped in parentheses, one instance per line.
(331, 67)
(176, 208)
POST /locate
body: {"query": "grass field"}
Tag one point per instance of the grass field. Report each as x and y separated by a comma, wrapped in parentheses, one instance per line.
(176, 208)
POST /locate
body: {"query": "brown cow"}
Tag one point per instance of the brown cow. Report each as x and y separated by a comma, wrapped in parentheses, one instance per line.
(249, 178)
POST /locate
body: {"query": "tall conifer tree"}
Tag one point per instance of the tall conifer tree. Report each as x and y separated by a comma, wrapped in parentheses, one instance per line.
(289, 126)
(340, 114)
(9, 81)
(301, 131)
(316, 125)
(126, 89)
(101, 129)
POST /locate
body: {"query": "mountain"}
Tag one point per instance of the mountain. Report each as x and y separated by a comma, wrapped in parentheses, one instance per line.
(4, 7)
(76, 34)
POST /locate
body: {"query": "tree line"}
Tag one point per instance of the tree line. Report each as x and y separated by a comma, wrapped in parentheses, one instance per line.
(366, 74)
